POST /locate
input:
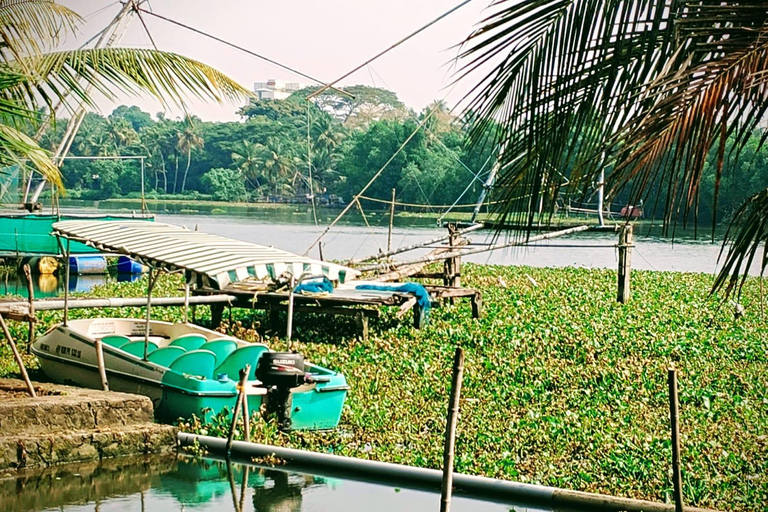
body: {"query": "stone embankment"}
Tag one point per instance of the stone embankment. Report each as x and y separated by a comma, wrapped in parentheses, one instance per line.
(68, 424)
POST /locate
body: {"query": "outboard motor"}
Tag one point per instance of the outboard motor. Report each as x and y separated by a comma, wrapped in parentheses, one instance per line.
(279, 372)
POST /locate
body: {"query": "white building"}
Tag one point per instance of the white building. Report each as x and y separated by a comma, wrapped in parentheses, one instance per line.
(276, 89)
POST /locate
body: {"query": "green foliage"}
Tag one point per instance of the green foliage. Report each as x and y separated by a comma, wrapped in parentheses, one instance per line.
(563, 386)
(225, 185)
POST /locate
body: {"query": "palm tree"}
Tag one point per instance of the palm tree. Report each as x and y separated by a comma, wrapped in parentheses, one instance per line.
(245, 154)
(187, 141)
(278, 163)
(647, 90)
(33, 75)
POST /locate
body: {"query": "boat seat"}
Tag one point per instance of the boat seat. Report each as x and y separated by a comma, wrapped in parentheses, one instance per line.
(166, 356)
(115, 340)
(199, 363)
(237, 360)
(188, 342)
(136, 348)
(221, 348)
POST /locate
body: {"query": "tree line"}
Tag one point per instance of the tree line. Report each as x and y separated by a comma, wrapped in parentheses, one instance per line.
(341, 139)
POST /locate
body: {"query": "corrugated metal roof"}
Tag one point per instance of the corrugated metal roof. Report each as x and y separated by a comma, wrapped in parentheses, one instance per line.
(218, 260)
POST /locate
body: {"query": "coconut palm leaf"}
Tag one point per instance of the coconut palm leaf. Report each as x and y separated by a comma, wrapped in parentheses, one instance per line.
(31, 27)
(18, 148)
(643, 89)
(167, 76)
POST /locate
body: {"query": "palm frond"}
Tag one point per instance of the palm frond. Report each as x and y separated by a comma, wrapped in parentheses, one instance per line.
(167, 76)
(32, 27)
(18, 148)
(747, 230)
(645, 90)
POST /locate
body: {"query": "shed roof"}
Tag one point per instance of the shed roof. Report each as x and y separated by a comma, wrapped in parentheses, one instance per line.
(218, 260)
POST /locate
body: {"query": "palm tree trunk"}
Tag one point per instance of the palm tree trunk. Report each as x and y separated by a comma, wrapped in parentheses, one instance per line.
(176, 174)
(184, 180)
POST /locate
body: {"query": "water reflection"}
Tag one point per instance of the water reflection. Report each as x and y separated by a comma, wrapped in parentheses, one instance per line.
(170, 483)
(52, 285)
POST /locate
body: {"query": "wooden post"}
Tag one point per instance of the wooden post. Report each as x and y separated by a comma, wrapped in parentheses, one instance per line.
(152, 280)
(450, 430)
(289, 328)
(32, 320)
(675, 426)
(17, 356)
(391, 222)
(625, 263)
(100, 361)
(66, 284)
(244, 397)
(238, 404)
(320, 250)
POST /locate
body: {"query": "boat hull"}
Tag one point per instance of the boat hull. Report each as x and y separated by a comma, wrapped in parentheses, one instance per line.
(67, 355)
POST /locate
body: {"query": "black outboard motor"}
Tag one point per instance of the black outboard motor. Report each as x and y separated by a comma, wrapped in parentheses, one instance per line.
(279, 372)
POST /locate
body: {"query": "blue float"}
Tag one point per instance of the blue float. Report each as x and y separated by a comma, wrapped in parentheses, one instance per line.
(87, 265)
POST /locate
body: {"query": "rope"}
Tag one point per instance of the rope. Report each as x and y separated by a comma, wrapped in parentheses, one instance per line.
(406, 38)
(414, 205)
(370, 182)
(249, 52)
(370, 230)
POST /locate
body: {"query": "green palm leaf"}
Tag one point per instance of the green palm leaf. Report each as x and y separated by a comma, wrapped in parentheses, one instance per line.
(643, 89)
(167, 76)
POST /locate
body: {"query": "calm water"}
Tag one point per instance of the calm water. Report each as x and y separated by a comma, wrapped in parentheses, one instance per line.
(592, 250)
(176, 484)
(292, 229)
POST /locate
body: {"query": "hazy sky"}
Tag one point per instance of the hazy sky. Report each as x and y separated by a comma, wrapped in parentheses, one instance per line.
(324, 39)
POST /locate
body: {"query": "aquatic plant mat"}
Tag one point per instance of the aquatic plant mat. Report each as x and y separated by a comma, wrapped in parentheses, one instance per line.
(562, 386)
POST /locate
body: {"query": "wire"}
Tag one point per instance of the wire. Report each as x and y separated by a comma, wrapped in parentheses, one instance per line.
(406, 38)
(245, 50)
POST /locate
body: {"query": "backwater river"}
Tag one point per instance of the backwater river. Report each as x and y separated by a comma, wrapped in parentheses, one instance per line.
(294, 230)
(178, 483)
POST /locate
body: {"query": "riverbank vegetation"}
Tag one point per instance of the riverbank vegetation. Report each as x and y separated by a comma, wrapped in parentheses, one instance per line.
(563, 386)
(266, 157)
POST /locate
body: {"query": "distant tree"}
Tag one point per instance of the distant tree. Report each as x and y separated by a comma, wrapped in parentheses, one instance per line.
(225, 185)
(360, 107)
(134, 115)
(188, 139)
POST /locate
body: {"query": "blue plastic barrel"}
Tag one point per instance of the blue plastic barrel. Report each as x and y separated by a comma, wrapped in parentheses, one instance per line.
(87, 265)
(126, 265)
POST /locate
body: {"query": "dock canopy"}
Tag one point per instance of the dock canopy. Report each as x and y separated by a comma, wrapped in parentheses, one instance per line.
(214, 261)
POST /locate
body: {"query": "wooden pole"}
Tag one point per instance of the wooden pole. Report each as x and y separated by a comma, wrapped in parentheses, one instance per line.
(289, 328)
(391, 222)
(66, 284)
(100, 361)
(152, 278)
(320, 250)
(17, 356)
(244, 397)
(675, 426)
(238, 404)
(625, 263)
(450, 430)
(31, 294)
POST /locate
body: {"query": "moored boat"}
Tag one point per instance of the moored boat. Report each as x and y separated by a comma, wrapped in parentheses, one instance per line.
(189, 370)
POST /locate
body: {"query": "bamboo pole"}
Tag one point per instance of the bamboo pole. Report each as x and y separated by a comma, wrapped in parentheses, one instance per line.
(442, 256)
(244, 397)
(450, 430)
(17, 356)
(31, 294)
(625, 264)
(419, 245)
(100, 361)
(238, 405)
(391, 222)
(674, 419)
(66, 284)
(152, 279)
(289, 328)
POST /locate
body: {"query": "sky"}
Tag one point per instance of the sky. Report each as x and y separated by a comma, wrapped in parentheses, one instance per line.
(324, 39)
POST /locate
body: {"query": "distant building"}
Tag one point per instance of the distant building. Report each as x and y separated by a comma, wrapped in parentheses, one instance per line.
(276, 89)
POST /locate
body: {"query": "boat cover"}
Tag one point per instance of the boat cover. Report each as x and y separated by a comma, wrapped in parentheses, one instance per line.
(214, 261)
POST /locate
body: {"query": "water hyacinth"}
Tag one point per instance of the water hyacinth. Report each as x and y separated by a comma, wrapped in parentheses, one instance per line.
(562, 385)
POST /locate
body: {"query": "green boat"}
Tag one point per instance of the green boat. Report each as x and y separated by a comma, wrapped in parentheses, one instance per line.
(186, 369)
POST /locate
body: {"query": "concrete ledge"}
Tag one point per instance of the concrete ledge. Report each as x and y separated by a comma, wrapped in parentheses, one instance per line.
(62, 407)
(67, 424)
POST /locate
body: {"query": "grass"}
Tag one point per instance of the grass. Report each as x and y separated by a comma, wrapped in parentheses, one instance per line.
(562, 385)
